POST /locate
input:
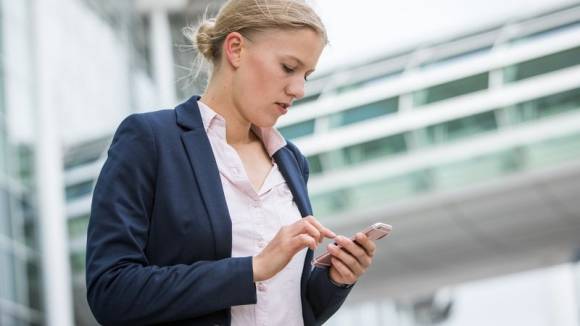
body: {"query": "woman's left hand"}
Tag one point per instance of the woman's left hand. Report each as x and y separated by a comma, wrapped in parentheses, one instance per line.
(350, 259)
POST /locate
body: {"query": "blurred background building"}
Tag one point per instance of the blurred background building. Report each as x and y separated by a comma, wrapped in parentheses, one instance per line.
(468, 145)
(21, 290)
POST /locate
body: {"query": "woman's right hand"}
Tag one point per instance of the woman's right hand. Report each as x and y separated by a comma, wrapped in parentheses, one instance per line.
(290, 239)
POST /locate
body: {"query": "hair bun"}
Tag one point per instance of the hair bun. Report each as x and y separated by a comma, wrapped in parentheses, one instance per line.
(204, 38)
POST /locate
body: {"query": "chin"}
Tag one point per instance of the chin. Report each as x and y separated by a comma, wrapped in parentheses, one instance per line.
(266, 123)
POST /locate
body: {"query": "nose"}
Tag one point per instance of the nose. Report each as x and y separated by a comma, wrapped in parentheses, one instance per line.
(296, 88)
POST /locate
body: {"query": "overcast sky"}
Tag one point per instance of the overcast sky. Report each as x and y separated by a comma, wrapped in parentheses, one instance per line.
(368, 28)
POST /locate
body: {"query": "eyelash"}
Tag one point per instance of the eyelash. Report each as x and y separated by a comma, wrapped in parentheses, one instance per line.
(289, 70)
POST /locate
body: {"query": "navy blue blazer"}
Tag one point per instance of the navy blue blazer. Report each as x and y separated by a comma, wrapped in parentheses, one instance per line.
(160, 235)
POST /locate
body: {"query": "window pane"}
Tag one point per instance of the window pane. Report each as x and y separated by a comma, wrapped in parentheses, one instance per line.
(542, 65)
(306, 99)
(2, 94)
(30, 226)
(7, 277)
(545, 106)
(26, 164)
(390, 189)
(374, 149)
(78, 262)
(34, 284)
(79, 190)
(463, 173)
(331, 202)
(19, 321)
(20, 279)
(80, 159)
(459, 128)
(3, 149)
(371, 193)
(364, 112)
(5, 216)
(553, 151)
(451, 89)
(314, 164)
(298, 130)
(78, 226)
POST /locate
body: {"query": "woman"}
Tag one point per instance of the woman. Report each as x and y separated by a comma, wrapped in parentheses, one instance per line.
(196, 215)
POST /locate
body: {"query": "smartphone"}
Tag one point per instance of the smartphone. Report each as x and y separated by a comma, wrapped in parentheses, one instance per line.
(374, 232)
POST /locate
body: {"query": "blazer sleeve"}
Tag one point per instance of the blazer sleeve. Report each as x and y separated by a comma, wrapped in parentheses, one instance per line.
(123, 288)
(324, 296)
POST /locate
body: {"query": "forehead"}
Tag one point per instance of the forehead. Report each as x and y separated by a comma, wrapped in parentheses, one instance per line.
(303, 44)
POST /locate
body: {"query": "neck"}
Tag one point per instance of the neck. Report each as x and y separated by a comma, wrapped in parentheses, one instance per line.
(218, 97)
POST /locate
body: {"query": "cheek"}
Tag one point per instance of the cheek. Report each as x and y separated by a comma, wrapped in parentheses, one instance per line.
(258, 82)
(262, 75)
(257, 86)
(252, 80)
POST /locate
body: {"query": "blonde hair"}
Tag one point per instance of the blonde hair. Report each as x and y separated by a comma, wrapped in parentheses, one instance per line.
(249, 16)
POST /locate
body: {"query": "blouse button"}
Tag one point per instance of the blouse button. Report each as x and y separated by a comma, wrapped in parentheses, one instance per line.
(261, 287)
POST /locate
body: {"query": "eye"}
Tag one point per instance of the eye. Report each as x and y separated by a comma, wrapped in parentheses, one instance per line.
(287, 69)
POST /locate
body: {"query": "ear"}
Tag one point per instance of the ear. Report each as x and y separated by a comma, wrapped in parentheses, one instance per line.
(233, 45)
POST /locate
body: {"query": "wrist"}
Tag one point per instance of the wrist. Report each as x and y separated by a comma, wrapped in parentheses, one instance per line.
(340, 285)
(257, 269)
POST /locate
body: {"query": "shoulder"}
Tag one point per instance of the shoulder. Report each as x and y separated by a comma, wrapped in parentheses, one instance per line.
(153, 118)
(152, 123)
(144, 132)
(300, 158)
(294, 149)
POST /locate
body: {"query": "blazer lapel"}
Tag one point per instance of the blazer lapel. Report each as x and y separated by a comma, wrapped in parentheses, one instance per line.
(291, 172)
(290, 169)
(205, 168)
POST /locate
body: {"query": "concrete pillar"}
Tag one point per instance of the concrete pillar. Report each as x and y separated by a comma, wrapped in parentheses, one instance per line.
(49, 172)
(162, 56)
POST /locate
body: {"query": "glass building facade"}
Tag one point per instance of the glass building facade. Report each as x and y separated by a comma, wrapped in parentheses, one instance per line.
(109, 35)
(461, 107)
(403, 132)
(20, 273)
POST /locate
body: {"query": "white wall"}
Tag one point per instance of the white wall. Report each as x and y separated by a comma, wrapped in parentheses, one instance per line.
(87, 74)
(86, 71)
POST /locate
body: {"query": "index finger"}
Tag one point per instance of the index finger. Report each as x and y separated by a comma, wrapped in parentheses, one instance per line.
(321, 228)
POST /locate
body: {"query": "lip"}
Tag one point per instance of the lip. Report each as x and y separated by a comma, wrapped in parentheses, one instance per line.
(283, 107)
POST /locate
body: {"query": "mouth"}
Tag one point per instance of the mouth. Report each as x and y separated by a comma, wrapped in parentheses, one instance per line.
(283, 107)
